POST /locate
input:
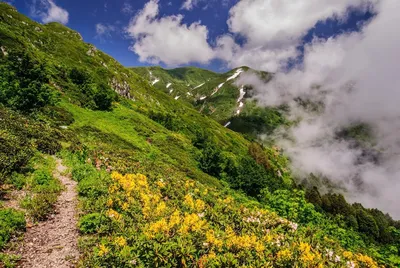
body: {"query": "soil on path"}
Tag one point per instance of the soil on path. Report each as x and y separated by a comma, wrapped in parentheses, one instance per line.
(54, 243)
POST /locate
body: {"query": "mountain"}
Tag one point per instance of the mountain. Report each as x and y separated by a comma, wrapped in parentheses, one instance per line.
(160, 181)
(218, 96)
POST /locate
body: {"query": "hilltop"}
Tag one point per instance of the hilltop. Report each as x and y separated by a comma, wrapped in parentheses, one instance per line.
(160, 180)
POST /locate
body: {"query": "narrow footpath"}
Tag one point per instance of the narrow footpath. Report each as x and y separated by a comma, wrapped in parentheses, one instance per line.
(54, 243)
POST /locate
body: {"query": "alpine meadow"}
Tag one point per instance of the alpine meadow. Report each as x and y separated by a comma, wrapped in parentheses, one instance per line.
(164, 164)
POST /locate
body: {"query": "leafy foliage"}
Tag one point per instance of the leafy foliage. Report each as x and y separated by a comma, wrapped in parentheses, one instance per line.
(24, 83)
(11, 221)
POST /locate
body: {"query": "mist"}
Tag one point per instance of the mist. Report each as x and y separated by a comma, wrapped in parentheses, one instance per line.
(355, 77)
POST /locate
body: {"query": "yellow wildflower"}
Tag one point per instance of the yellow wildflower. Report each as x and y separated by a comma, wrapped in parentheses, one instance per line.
(259, 247)
(120, 241)
(200, 205)
(109, 202)
(160, 226)
(366, 260)
(125, 206)
(304, 247)
(103, 250)
(228, 200)
(192, 222)
(160, 209)
(307, 257)
(212, 255)
(113, 188)
(347, 254)
(160, 183)
(189, 201)
(284, 254)
(211, 239)
(114, 215)
(175, 219)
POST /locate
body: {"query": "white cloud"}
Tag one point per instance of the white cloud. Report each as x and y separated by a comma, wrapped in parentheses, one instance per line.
(48, 11)
(189, 4)
(273, 29)
(127, 8)
(104, 30)
(167, 39)
(278, 23)
(359, 82)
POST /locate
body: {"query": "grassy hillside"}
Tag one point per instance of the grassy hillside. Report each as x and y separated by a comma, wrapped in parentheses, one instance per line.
(216, 198)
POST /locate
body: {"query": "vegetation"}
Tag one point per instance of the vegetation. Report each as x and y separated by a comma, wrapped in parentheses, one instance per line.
(169, 222)
(159, 183)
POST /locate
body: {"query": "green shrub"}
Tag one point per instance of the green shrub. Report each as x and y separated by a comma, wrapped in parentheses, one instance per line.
(82, 171)
(89, 223)
(11, 221)
(18, 180)
(40, 205)
(24, 83)
(92, 187)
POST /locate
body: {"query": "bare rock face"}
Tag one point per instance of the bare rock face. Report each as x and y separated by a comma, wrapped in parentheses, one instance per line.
(92, 51)
(122, 89)
(3, 49)
(38, 29)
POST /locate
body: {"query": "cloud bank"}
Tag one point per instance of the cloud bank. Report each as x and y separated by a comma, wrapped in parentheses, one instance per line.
(272, 31)
(355, 76)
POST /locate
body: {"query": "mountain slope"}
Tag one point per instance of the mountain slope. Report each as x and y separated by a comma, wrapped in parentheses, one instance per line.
(218, 96)
(216, 198)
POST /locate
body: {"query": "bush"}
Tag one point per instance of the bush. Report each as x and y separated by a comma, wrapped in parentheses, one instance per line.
(24, 83)
(89, 223)
(11, 221)
(45, 190)
(96, 96)
(15, 153)
(211, 160)
(40, 205)
(19, 139)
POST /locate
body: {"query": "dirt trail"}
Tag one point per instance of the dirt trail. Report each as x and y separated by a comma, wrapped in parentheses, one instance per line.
(53, 243)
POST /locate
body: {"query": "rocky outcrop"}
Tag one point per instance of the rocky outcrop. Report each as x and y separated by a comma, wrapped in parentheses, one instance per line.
(3, 49)
(123, 89)
(38, 29)
(92, 51)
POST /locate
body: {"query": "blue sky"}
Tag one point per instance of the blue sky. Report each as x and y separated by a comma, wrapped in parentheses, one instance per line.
(114, 17)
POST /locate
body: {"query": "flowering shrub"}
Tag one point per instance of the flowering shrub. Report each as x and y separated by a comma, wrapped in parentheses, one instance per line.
(169, 223)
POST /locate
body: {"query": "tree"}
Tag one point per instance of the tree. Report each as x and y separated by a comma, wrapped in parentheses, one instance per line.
(366, 223)
(25, 83)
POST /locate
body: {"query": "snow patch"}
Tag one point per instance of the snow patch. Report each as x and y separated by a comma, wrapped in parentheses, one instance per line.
(155, 81)
(199, 86)
(203, 97)
(227, 124)
(168, 85)
(241, 105)
(242, 94)
(171, 90)
(177, 97)
(235, 75)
